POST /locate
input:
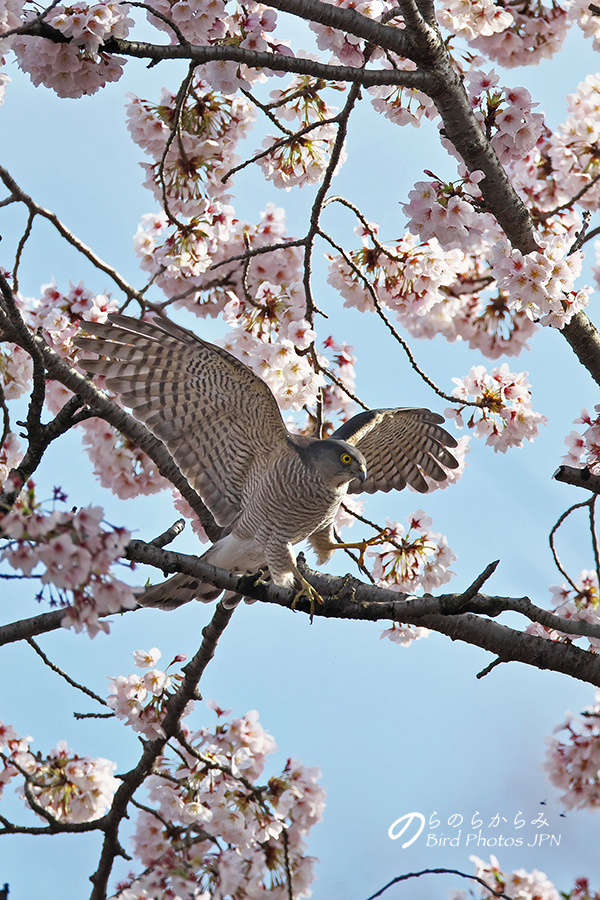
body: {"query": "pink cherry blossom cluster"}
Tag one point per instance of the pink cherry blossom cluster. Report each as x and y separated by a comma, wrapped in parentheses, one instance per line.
(240, 834)
(10, 18)
(448, 212)
(572, 148)
(537, 32)
(16, 370)
(211, 125)
(402, 105)
(11, 454)
(58, 316)
(298, 161)
(534, 885)
(335, 400)
(76, 554)
(71, 788)
(573, 761)
(346, 48)
(579, 602)
(408, 277)
(141, 700)
(542, 283)
(590, 25)
(201, 21)
(179, 265)
(413, 558)
(90, 26)
(561, 165)
(118, 464)
(470, 20)
(59, 313)
(77, 66)
(505, 113)
(432, 291)
(587, 443)
(507, 418)
(209, 22)
(256, 336)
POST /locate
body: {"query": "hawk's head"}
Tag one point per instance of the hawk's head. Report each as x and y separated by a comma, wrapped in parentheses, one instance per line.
(338, 462)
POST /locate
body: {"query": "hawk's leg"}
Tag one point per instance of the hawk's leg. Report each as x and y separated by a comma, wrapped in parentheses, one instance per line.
(380, 538)
(308, 591)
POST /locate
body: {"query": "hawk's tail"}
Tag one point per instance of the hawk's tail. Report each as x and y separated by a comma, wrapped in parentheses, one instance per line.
(181, 589)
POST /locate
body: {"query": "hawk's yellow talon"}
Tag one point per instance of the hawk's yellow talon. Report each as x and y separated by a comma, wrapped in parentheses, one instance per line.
(310, 593)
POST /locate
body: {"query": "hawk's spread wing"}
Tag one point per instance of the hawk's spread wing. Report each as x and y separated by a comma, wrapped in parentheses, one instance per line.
(216, 417)
(397, 444)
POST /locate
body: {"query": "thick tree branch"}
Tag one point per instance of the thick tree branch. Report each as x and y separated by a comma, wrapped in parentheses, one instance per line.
(582, 478)
(42, 624)
(274, 61)
(347, 598)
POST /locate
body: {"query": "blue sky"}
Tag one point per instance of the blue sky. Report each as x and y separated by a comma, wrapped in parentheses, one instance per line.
(394, 730)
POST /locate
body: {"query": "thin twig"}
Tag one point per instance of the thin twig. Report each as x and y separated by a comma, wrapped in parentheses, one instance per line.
(266, 109)
(542, 216)
(258, 251)
(74, 241)
(592, 512)
(182, 95)
(406, 877)
(21, 245)
(178, 33)
(375, 300)
(555, 528)
(294, 137)
(63, 674)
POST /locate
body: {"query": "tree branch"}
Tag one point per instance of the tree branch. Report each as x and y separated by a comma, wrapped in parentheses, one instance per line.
(347, 598)
(153, 749)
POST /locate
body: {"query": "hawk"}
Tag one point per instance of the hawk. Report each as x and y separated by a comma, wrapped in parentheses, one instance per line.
(267, 489)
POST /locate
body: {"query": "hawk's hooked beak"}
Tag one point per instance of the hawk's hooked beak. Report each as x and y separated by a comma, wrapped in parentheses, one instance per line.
(361, 475)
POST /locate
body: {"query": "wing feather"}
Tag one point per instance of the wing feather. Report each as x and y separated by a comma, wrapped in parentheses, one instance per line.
(400, 446)
(216, 417)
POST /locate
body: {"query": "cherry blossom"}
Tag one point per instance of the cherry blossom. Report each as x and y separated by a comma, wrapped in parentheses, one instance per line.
(346, 48)
(78, 67)
(10, 456)
(507, 418)
(578, 601)
(536, 32)
(211, 125)
(542, 283)
(534, 885)
(300, 161)
(118, 464)
(70, 787)
(76, 554)
(401, 105)
(469, 20)
(210, 790)
(586, 445)
(571, 146)
(411, 558)
(573, 761)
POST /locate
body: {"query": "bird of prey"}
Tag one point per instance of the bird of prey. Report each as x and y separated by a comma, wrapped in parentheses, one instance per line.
(267, 489)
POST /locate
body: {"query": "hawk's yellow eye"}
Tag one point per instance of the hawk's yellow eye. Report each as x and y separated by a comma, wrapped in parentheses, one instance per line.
(346, 459)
